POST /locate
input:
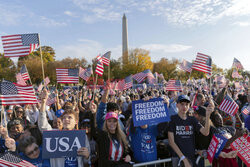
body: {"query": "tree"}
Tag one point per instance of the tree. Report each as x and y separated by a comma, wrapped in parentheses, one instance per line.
(7, 68)
(138, 61)
(167, 68)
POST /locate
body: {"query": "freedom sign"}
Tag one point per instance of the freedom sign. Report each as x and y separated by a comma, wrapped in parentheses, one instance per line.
(212, 149)
(62, 143)
(149, 112)
(242, 145)
(222, 142)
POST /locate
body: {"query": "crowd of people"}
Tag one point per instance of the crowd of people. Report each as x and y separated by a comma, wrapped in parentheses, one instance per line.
(111, 138)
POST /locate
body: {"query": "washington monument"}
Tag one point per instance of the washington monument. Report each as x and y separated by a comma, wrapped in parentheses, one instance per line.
(124, 40)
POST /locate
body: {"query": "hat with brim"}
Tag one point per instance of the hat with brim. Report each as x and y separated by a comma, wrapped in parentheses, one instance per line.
(183, 98)
(111, 115)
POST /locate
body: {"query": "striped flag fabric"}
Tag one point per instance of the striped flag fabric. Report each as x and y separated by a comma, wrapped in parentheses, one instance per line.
(20, 79)
(120, 85)
(235, 74)
(220, 80)
(139, 77)
(237, 64)
(106, 58)
(174, 85)
(13, 94)
(228, 105)
(64, 75)
(186, 66)
(99, 68)
(24, 72)
(51, 99)
(46, 81)
(246, 110)
(11, 160)
(85, 73)
(127, 82)
(203, 63)
(20, 44)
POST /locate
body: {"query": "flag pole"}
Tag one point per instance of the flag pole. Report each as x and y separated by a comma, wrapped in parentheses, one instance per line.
(109, 72)
(2, 115)
(41, 55)
(95, 87)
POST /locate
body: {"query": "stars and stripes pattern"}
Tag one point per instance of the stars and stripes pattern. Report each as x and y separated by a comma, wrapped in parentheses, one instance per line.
(228, 105)
(174, 85)
(235, 74)
(221, 81)
(19, 45)
(237, 64)
(99, 68)
(64, 75)
(106, 58)
(10, 160)
(203, 63)
(85, 73)
(246, 110)
(186, 66)
(127, 82)
(20, 79)
(139, 77)
(51, 99)
(24, 72)
(13, 94)
(46, 81)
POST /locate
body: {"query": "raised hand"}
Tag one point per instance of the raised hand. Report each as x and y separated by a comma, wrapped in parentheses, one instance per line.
(10, 144)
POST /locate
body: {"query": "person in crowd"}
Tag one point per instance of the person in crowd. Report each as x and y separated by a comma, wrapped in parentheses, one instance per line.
(20, 114)
(69, 120)
(172, 109)
(57, 124)
(126, 104)
(31, 113)
(31, 152)
(112, 144)
(182, 129)
(15, 128)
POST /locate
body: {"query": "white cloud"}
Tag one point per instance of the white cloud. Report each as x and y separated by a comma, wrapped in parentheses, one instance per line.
(69, 13)
(48, 22)
(10, 15)
(173, 48)
(242, 24)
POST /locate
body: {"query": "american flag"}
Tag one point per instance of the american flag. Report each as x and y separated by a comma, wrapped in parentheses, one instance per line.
(11, 160)
(174, 85)
(229, 106)
(237, 64)
(20, 44)
(139, 77)
(238, 86)
(246, 110)
(113, 85)
(40, 87)
(20, 79)
(106, 58)
(120, 85)
(99, 58)
(46, 81)
(220, 80)
(64, 75)
(12, 94)
(186, 66)
(235, 74)
(24, 72)
(66, 91)
(127, 82)
(203, 63)
(51, 99)
(85, 73)
(99, 68)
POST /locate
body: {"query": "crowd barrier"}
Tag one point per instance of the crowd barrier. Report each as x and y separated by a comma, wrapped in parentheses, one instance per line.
(161, 162)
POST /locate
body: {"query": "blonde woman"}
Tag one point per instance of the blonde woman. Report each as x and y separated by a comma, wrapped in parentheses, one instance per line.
(112, 143)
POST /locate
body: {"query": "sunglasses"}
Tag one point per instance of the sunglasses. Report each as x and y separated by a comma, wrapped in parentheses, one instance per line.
(33, 151)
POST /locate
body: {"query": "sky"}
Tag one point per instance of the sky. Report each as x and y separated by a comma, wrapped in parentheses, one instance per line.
(167, 28)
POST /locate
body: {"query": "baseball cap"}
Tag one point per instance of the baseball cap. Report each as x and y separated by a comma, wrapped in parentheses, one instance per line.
(182, 98)
(201, 110)
(111, 115)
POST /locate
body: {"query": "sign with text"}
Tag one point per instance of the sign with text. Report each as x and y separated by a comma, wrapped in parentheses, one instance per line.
(212, 149)
(222, 142)
(242, 145)
(62, 143)
(149, 112)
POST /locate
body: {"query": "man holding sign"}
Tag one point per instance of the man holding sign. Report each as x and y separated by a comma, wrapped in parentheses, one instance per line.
(64, 145)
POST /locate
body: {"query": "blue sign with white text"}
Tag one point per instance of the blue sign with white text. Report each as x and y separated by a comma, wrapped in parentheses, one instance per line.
(62, 143)
(222, 142)
(149, 112)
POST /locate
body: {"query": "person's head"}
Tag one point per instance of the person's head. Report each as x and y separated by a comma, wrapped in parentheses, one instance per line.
(172, 94)
(9, 113)
(85, 125)
(69, 119)
(57, 124)
(200, 99)
(200, 113)
(128, 99)
(15, 128)
(111, 122)
(113, 107)
(19, 112)
(217, 119)
(29, 147)
(183, 102)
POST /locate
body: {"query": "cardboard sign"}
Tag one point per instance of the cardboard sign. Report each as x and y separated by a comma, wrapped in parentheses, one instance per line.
(242, 145)
(62, 143)
(222, 142)
(149, 112)
(212, 149)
